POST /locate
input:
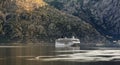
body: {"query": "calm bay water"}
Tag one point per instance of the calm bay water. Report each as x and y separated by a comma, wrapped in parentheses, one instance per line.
(48, 55)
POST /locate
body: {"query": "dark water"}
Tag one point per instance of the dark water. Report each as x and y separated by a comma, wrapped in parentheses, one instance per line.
(48, 55)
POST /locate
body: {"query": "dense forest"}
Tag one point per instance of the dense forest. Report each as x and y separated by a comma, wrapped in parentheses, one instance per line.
(41, 23)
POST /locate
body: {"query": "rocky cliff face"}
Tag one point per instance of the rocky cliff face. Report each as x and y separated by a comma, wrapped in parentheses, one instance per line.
(104, 15)
(30, 5)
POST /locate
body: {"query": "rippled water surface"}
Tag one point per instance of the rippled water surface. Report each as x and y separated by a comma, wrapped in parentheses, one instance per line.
(48, 55)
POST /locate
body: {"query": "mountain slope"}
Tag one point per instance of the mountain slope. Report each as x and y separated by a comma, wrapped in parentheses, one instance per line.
(102, 14)
(43, 23)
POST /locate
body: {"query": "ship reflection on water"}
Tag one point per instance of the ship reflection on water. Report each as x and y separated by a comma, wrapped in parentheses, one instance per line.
(48, 55)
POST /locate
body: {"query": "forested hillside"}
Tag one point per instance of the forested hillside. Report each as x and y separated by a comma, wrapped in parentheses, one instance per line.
(33, 22)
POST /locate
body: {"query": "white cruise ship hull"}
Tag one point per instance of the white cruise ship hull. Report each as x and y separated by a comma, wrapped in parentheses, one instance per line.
(63, 44)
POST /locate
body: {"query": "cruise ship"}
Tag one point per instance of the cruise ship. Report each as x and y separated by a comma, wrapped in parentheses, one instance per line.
(67, 42)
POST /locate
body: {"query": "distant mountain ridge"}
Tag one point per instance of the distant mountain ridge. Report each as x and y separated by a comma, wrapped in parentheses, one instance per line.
(102, 14)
